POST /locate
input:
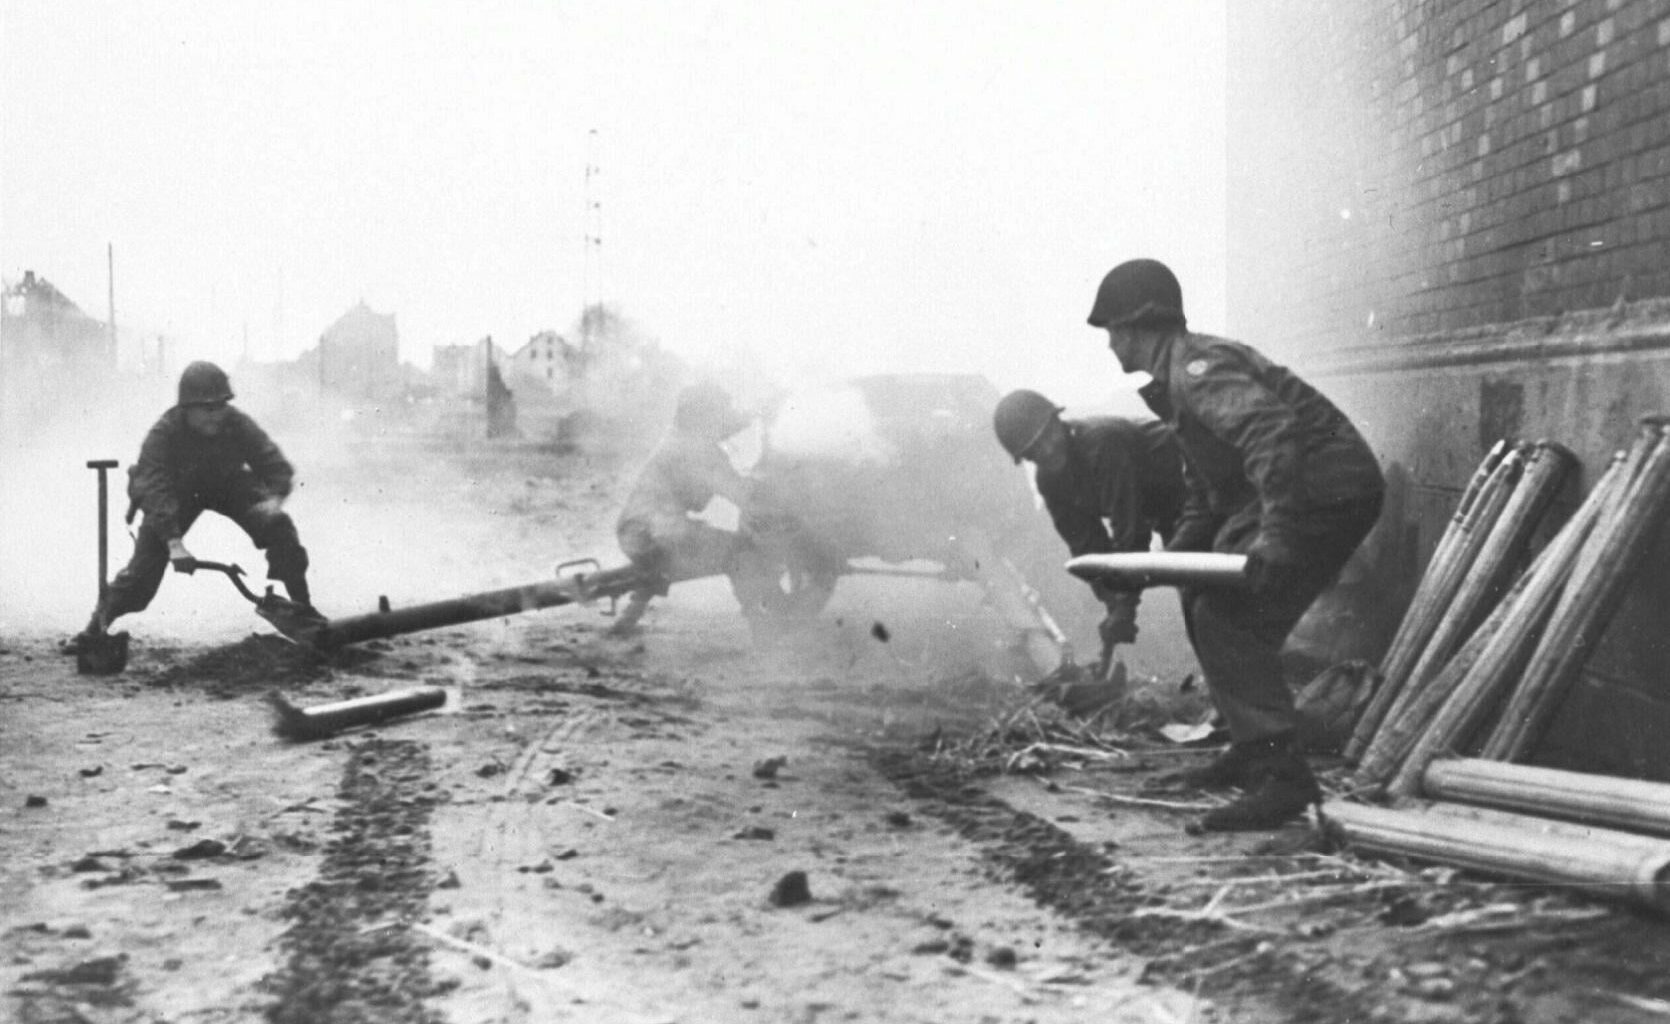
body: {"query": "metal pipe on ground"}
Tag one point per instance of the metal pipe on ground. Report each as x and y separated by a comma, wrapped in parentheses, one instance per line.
(328, 719)
(579, 588)
(1606, 567)
(1629, 804)
(1137, 570)
(1453, 706)
(1443, 574)
(1609, 864)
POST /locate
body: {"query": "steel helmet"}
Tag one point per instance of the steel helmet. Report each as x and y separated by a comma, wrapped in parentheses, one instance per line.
(1139, 293)
(203, 383)
(1020, 419)
(708, 408)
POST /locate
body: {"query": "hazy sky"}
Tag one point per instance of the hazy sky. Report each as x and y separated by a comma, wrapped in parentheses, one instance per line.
(835, 187)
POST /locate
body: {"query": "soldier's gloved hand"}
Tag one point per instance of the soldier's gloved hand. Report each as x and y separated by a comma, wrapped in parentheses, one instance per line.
(1118, 626)
(182, 560)
(268, 507)
(1270, 564)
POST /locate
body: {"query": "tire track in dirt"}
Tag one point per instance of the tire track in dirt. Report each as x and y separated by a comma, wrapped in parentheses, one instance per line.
(1058, 871)
(351, 957)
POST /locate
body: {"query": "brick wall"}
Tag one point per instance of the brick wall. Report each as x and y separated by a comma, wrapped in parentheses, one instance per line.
(1454, 217)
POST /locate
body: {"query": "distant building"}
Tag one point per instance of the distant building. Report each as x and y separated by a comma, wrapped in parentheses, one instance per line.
(547, 360)
(462, 369)
(359, 356)
(48, 347)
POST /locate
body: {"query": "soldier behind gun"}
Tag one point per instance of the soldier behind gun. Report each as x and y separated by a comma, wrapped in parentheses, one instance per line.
(203, 455)
(1110, 484)
(657, 528)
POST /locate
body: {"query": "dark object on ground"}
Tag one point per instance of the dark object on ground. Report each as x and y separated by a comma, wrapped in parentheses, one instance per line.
(756, 832)
(880, 632)
(768, 768)
(326, 719)
(34, 801)
(791, 890)
(1002, 956)
(101, 654)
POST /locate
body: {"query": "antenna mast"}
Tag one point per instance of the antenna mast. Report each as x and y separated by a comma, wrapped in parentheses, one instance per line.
(592, 247)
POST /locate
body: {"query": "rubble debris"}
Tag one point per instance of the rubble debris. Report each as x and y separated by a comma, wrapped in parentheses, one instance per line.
(1002, 957)
(201, 850)
(791, 890)
(102, 971)
(326, 719)
(559, 777)
(259, 661)
(768, 768)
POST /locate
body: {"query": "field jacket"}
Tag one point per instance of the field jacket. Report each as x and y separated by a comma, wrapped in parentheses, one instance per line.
(177, 467)
(1122, 484)
(1252, 431)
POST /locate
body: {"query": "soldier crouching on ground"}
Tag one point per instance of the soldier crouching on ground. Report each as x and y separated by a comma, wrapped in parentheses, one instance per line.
(1275, 472)
(203, 455)
(1110, 484)
(657, 528)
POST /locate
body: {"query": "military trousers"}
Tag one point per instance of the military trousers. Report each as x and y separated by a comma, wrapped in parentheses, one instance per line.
(1238, 635)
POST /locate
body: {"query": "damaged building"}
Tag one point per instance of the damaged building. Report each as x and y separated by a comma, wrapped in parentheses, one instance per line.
(1462, 234)
(48, 345)
(359, 358)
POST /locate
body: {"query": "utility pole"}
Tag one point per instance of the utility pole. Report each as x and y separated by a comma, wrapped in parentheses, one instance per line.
(591, 269)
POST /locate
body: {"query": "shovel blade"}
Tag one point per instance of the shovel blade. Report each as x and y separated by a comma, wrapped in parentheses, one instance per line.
(103, 654)
(296, 622)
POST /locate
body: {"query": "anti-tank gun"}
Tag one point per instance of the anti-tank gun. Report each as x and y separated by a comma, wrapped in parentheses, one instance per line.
(898, 475)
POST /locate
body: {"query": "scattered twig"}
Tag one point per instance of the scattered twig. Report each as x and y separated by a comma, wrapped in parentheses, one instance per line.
(594, 812)
(1139, 801)
(1298, 876)
(1658, 1006)
(1201, 915)
(471, 947)
(1318, 897)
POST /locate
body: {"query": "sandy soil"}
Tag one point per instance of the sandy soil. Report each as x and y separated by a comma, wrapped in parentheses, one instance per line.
(684, 826)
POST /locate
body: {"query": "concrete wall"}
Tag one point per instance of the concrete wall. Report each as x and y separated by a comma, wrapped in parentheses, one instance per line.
(1455, 219)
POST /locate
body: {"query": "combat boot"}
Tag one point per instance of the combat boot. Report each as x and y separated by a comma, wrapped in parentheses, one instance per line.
(1228, 769)
(1280, 788)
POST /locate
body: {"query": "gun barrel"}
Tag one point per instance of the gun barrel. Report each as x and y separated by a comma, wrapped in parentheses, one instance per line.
(336, 633)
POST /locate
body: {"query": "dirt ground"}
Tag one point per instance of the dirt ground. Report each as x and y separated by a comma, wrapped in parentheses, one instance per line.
(866, 820)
